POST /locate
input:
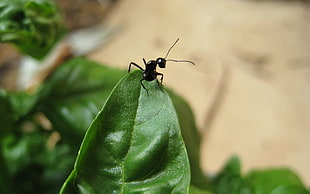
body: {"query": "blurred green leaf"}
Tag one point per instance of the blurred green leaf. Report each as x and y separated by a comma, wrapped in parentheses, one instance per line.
(6, 183)
(229, 179)
(133, 145)
(195, 190)
(276, 181)
(265, 181)
(7, 115)
(34, 167)
(75, 93)
(34, 26)
(14, 105)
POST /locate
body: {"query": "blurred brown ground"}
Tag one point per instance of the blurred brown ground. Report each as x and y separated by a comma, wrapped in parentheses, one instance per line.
(250, 89)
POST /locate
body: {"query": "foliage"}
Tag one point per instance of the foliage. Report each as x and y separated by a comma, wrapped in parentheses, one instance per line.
(274, 181)
(32, 25)
(133, 145)
(69, 99)
(124, 137)
(136, 140)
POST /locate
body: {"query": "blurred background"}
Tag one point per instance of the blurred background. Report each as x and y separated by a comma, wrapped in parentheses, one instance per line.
(250, 88)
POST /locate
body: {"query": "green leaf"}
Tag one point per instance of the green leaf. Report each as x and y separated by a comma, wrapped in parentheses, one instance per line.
(6, 183)
(14, 105)
(191, 138)
(230, 181)
(34, 26)
(134, 145)
(7, 115)
(74, 94)
(195, 190)
(266, 181)
(70, 99)
(32, 166)
(276, 181)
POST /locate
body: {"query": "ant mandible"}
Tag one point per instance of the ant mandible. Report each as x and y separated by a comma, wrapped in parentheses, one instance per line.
(150, 73)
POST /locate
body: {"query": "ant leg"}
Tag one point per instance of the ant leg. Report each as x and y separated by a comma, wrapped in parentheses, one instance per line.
(162, 77)
(147, 91)
(161, 80)
(134, 64)
(144, 62)
(159, 85)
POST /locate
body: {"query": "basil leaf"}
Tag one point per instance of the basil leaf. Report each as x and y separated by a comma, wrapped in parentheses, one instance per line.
(273, 181)
(229, 179)
(133, 145)
(276, 181)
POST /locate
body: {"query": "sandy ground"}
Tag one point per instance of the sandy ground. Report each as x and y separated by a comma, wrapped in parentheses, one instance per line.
(250, 89)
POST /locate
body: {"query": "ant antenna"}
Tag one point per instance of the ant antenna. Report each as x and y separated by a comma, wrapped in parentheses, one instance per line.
(182, 61)
(171, 48)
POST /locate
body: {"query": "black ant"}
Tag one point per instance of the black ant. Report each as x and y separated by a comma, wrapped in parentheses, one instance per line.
(150, 73)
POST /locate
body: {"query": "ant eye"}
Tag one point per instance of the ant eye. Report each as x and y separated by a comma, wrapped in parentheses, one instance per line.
(161, 62)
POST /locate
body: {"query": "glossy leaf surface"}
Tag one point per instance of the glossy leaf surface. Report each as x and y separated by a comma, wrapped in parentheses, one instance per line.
(134, 145)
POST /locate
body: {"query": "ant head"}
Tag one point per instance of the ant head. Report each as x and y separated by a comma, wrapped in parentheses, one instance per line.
(161, 62)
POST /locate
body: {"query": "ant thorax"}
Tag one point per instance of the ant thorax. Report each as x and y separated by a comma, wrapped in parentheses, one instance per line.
(150, 66)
